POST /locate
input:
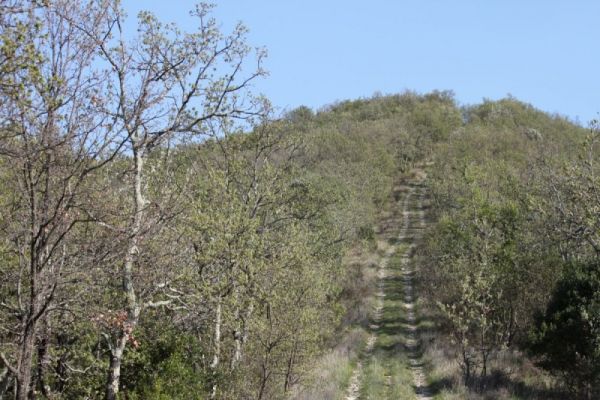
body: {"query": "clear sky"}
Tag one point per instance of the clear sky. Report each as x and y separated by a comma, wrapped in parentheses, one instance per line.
(544, 52)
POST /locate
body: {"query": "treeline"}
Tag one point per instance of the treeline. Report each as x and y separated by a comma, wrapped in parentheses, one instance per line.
(162, 236)
(512, 259)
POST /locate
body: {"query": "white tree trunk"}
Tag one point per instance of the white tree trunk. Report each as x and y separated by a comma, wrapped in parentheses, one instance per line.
(133, 308)
(217, 346)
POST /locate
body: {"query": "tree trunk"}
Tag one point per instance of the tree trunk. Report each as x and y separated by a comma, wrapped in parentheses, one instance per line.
(263, 381)
(133, 311)
(467, 367)
(237, 337)
(26, 362)
(290, 368)
(484, 353)
(114, 375)
(237, 352)
(43, 359)
(29, 320)
(484, 359)
(133, 308)
(5, 378)
(240, 336)
(214, 365)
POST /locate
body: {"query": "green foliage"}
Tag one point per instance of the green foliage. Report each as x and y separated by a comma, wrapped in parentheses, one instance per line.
(496, 246)
(566, 337)
(480, 269)
(165, 366)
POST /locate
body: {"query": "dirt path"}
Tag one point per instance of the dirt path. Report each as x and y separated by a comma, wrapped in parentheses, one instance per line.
(355, 381)
(390, 367)
(412, 343)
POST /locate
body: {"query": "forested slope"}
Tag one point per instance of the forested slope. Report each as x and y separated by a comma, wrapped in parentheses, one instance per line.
(165, 235)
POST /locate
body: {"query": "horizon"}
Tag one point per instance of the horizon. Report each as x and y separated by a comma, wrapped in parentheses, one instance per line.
(323, 53)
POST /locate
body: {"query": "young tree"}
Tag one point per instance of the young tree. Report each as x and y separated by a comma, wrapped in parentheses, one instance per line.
(165, 86)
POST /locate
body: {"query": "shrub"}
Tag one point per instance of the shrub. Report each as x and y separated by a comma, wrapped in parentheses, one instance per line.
(566, 338)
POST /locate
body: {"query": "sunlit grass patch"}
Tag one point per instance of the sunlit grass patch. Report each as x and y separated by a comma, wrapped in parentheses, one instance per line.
(331, 375)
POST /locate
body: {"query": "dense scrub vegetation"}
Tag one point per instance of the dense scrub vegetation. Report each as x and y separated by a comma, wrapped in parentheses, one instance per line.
(515, 220)
(164, 236)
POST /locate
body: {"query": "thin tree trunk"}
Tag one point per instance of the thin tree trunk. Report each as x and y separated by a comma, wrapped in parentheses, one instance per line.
(5, 378)
(484, 359)
(263, 379)
(266, 364)
(133, 307)
(133, 312)
(237, 335)
(484, 355)
(214, 365)
(241, 336)
(467, 366)
(290, 368)
(29, 321)
(237, 352)
(42, 359)
(112, 387)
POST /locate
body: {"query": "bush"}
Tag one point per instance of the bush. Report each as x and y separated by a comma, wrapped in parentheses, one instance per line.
(566, 338)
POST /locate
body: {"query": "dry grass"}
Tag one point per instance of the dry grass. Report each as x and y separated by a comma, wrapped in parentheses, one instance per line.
(358, 297)
(332, 372)
(512, 375)
(418, 174)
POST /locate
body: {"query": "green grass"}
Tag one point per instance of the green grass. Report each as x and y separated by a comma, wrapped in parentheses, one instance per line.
(386, 373)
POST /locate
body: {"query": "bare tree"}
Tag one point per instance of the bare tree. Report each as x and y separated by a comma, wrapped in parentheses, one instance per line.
(54, 136)
(86, 95)
(165, 87)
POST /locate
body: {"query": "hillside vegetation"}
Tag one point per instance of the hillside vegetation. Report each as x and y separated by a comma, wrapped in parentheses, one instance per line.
(163, 235)
(514, 232)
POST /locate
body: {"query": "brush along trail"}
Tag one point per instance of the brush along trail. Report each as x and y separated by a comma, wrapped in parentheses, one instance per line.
(390, 366)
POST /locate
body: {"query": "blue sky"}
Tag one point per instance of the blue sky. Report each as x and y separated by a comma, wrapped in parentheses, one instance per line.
(544, 52)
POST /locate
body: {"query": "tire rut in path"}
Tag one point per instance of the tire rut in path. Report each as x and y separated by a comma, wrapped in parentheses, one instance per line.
(412, 344)
(422, 390)
(354, 387)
